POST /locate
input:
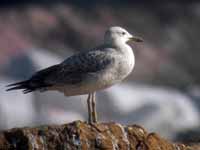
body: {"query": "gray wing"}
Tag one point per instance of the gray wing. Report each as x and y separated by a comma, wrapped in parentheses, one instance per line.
(72, 71)
(77, 67)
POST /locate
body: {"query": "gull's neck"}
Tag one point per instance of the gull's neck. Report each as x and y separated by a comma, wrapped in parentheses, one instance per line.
(119, 45)
(116, 43)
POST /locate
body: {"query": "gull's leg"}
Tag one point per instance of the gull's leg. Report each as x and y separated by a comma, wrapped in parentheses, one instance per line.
(89, 108)
(94, 112)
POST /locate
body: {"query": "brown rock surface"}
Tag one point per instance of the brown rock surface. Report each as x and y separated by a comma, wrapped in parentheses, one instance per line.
(80, 135)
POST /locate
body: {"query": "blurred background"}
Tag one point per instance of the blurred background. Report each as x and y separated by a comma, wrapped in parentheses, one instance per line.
(162, 93)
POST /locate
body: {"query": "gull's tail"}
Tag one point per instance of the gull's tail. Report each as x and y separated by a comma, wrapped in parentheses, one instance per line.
(36, 82)
(21, 85)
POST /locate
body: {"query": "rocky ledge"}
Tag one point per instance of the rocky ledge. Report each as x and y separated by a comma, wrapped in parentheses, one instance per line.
(83, 136)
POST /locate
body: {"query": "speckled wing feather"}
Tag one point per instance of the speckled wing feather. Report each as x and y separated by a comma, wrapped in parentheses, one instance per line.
(72, 71)
(77, 67)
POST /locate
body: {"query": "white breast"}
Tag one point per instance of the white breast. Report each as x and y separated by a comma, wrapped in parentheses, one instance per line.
(126, 63)
(129, 55)
(123, 66)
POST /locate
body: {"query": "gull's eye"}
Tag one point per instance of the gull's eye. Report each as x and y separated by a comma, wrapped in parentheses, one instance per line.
(123, 33)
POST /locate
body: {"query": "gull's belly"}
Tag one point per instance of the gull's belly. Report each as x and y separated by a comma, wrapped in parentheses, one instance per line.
(92, 84)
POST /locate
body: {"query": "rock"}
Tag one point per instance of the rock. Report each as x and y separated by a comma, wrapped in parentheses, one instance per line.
(81, 135)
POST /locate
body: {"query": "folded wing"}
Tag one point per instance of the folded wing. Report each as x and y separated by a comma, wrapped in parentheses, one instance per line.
(72, 71)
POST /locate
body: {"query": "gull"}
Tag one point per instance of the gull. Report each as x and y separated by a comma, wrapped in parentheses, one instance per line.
(88, 71)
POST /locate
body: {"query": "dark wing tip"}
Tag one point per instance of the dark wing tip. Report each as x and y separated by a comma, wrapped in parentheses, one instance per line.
(20, 85)
(15, 84)
(36, 82)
